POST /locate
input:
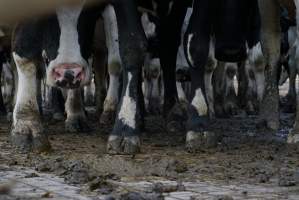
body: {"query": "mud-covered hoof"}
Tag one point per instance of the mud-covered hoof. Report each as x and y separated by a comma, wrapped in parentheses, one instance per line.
(128, 145)
(200, 140)
(77, 125)
(293, 138)
(28, 136)
(107, 118)
(175, 121)
(58, 116)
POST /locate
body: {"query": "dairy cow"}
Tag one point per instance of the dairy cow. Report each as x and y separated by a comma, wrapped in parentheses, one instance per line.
(228, 23)
(66, 39)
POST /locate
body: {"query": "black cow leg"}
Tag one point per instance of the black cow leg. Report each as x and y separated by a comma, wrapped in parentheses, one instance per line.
(124, 138)
(198, 136)
(2, 106)
(57, 102)
(196, 44)
(270, 38)
(170, 37)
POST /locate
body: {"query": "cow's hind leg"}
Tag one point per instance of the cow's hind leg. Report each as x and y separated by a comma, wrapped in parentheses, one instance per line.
(124, 138)
(76, 120)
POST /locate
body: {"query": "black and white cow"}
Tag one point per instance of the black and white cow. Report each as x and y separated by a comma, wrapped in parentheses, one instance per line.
(66, 39)
(229, 23)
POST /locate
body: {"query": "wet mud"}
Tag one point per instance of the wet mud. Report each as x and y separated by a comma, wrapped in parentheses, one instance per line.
(245, 154)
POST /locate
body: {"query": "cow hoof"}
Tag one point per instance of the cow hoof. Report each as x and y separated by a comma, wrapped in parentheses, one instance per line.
(293, 138)
(58, 116)
(175, 121)
(28, 136)
(129, 145)
(200, 140)
(77, 125)
(107, 117)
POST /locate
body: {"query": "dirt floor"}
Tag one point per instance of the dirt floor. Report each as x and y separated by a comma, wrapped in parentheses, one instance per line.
(244, 155)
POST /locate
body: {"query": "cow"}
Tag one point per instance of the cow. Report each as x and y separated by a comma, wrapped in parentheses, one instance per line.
(66, 38)
(229, 29)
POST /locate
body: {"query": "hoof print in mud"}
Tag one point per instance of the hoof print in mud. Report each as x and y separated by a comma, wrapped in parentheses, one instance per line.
(28, 136)
(77, 125)
(200, 140)
(123, 145)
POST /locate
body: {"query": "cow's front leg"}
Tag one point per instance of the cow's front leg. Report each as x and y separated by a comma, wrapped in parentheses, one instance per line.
(124, 138)
(270, 37)
(27, 131)
(196, 45)
(76, 120)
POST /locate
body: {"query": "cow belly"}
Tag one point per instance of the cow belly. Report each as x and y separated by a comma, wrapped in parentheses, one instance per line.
(230, 27)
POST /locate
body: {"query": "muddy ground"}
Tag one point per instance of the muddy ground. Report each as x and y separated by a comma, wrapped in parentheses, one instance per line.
(244, 155)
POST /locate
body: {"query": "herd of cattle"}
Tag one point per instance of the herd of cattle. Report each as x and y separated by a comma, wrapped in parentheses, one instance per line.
(146, 54)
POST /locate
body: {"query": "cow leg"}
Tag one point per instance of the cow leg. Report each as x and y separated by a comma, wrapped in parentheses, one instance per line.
(209, 88)
(196, 45)
(291, 96)
(219, 89)
(76, 120)
(57, 103)
(114, 66)
(124, 138)
(151, 85)
(250, 91)
(270, 39)
(2, 106)
(9, 88)
(27, 131)
(88, 95)
(100, 65)
(230, 97)
(170, 36)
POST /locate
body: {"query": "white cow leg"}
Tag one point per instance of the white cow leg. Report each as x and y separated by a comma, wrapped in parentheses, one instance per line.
(27, 132)
(76, 120)
(112, 98)
(114, 66)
